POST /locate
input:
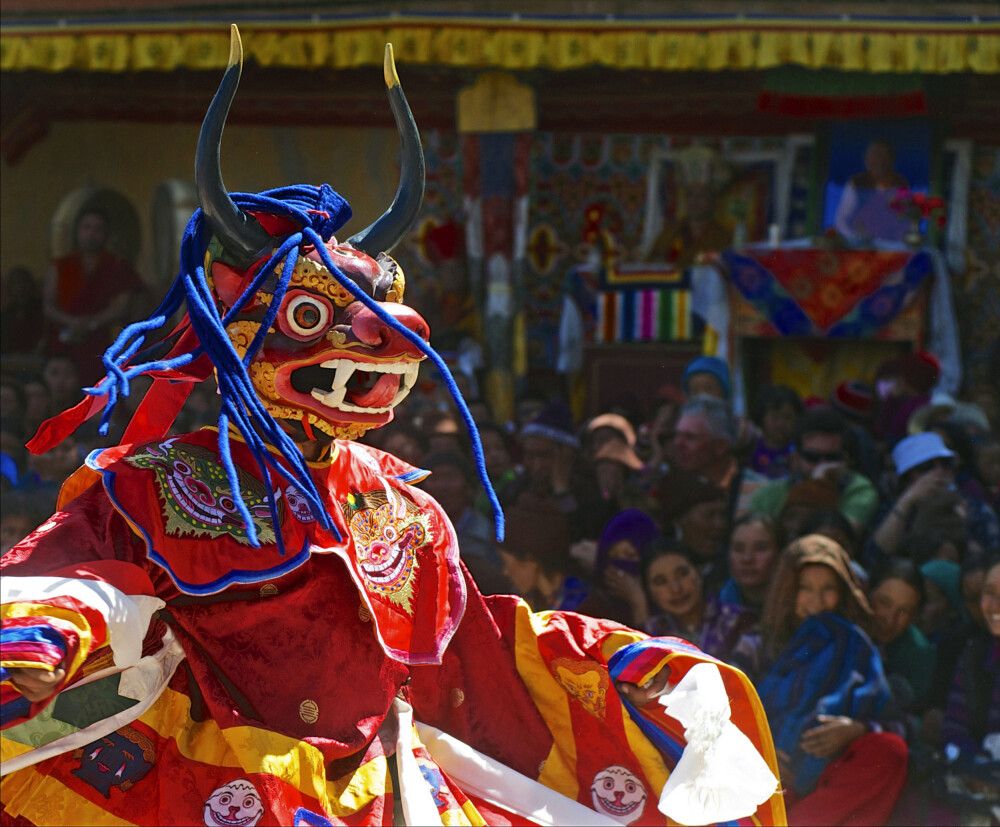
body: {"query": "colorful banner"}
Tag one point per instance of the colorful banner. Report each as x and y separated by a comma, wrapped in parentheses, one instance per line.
(806, 93)
(835, 293)
(660, 314)
(643, 316)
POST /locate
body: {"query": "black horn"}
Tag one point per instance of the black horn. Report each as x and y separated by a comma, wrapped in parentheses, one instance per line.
(240, 234)
(387, 231)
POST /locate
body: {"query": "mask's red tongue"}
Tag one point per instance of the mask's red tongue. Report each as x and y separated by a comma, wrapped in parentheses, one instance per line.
(381, 394)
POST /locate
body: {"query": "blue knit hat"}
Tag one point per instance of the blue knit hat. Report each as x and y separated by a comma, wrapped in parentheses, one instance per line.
(712, 365)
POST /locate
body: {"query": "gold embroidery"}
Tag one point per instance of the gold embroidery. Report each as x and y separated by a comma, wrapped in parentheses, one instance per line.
(241, 335)
(584, 682)
(309, 711)
(398, 287)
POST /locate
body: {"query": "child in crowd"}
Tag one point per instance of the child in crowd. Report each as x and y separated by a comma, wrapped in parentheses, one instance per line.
(897, 597)
(695, 511)
(779, 410)
(618, 564)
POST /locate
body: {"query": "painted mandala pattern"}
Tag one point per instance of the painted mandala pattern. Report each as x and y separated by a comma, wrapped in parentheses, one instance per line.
(196, 496)
(388, 529)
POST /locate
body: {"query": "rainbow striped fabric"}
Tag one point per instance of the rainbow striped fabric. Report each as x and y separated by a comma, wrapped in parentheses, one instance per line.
(607, 759)
(633, 303)
(644, 316)
(42, 635)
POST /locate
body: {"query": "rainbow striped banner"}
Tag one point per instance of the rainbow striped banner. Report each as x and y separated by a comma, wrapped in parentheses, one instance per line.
(643, 316)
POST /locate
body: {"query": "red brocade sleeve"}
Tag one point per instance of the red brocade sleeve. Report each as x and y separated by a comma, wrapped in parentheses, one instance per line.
(86, 534)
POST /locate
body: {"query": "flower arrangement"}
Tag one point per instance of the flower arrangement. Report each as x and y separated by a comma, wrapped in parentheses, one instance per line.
(916, 206)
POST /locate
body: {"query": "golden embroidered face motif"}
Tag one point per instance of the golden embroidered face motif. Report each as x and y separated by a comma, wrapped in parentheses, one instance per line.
(328, 361)
(583, 683)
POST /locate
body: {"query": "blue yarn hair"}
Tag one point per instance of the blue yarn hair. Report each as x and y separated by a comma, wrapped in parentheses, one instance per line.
(320, 211)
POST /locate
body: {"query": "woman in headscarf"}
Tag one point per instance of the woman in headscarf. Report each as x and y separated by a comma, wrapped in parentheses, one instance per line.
(823, 685)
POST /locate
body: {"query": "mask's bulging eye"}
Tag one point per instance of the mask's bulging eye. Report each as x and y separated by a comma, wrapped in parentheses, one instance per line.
(305, 316)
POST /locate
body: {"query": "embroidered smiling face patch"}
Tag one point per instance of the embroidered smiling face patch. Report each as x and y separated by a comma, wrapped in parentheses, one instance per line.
(617, 792)
(236, 804)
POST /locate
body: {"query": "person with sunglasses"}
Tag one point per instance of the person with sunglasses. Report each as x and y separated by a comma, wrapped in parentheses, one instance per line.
(822, 452)
(925, 469)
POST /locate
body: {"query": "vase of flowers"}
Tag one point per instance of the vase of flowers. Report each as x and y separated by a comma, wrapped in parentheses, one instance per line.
(916, 208)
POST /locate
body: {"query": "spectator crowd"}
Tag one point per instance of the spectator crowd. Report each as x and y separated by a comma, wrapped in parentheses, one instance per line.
(843, 552)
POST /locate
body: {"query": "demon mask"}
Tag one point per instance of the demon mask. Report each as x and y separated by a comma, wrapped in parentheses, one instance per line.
(327, 361)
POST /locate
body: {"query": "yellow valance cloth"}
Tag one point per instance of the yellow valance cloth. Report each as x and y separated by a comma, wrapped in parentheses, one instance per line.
(675, 44)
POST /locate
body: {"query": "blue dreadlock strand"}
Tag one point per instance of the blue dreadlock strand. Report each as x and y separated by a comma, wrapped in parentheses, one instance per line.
(272, 311)
(439, 363)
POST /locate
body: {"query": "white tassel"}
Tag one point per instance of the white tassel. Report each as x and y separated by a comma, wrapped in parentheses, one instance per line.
(720, 775)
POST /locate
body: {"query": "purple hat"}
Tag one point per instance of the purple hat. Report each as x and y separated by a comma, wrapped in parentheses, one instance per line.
(917, 449)
(632, 525)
